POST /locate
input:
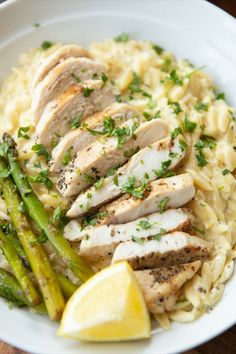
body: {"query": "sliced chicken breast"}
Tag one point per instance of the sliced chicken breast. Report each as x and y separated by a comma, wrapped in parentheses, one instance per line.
(99, 157)
(145, 166)
(100, 242)
(59, 114)
(79, 138)
(72, 71)
(161, 286)
(172, 249)
(177, 190)
(67, 51)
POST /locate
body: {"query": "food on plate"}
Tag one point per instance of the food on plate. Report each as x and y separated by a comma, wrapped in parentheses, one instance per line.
(117, 181)
(109, 307)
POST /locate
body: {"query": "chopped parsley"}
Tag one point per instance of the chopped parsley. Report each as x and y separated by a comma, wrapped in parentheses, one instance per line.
(89, 179)
(201, 159)
(189, 126)
(37, 164)
(162, 205)
(220, 96)
(22, 132)
(131, 152)
(115, 180)
(76, 78)
(196, 229)
(200, 107)
(36, 25)
(176, 107)
(182, 145)
(92, 219)
(99, 184)
(42, 178)
(67, 157)
(104, 78)
(162, 232)
(144, 224)
(204, 142)
(134, 187)
(226, 172)
(57, 214)
(176, 132)
(163, 172)
(122, 38)
(75, 123)
(118, 98)
(46, 44)
(137, 239)
(41, 151)
(174, 77)
(134, 86)
(159, 50)
(87, 91)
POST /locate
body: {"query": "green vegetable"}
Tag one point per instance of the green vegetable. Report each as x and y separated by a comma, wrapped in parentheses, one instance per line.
(220, 96)
(176, 132)
(67, 157)
(76, 78)
(162, 205)
(22, 132)
(39, 215)
(10, 290)
(201, 107)
(134, 187)
(144, 224)
(75, 123)
(189, 126)
(175, 78)
(225, 172)
(41, 151)
(159, 50)
(42, 178)
(122, 38)
(19, 270)
(87, 91)
(162, 232)
(35, 253)
(46, 44)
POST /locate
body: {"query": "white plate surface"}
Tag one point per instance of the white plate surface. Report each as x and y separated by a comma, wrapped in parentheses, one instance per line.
(192, 29)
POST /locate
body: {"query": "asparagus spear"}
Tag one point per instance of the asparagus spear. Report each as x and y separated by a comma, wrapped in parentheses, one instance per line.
(35, 253)
(19, 270)
(39, 215)
(10, 289)
(67, 287)
(9, 231)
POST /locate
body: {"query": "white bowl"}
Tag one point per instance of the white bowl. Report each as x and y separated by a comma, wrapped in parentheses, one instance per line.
(195, 30)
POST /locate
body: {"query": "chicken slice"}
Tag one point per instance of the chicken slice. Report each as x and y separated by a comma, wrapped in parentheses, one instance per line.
(72, 105)
(177, 190)
(100, 242)
(145, 166)
(79, 138)
(99, 157)
(161, 286)
(72, 71)
(67, 51)
(172, 249)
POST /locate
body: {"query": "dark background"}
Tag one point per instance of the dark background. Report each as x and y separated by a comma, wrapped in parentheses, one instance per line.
(225, 343)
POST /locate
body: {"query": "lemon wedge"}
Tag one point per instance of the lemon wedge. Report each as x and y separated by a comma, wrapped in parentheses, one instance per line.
(108, 307)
